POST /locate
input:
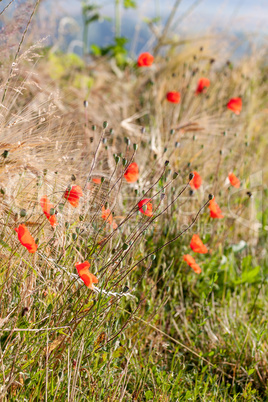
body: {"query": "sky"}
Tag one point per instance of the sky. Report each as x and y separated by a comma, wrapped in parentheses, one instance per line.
(240, 17)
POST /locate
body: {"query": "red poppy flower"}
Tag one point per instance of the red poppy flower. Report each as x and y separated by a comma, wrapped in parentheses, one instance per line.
(72, 195)
(47, 206)
(85, 275)
(191, 262)
(132, 173)
(197, 245)
(26, 239)
(235, 104)
(145, 59)
(145, 207)
(234, 180)
(215, 211)
(173, 97)
(114, 225)
(196, 182)
(106, 215)
(96, 180)
(202, 85)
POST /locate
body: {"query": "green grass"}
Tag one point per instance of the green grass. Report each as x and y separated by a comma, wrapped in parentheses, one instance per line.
(155, 330)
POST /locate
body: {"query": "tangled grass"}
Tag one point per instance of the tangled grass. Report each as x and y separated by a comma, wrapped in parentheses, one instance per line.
(152, 329)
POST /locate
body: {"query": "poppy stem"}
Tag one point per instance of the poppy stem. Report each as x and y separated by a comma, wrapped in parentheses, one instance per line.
(164, 245)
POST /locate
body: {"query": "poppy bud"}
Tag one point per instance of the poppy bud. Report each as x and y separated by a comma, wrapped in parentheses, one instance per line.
(166, 163)
(191, 192)
(188, 164)
(104, 140)
(175, 175)
(249, 194)
(61, 207)
(135, 147)
(155, 156)
(102, 179)
(105, 124)
(191, 176)
(210, 197)
(117, 159)
(73, 178)
(144, 208)
(5, 154)
(124, 161)
(111, 131)
(23, 213)
(136, 192)
(153, 257)
(177, 144)
(221, 152)
(74, 236)
(194, 137)
(165, 150)
(125, 246)
(85, 103)
(93, 128)
(143, 130)
(52, 211)
(172, 131)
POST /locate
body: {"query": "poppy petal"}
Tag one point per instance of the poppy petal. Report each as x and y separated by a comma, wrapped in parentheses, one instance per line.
(173, 97)
(196, 182)
(191, 262)
(132, 173)
(202, 85)
(234, 180)
(47, 206)
(197, 245)
(215, 211)
(85, 275)
(145, 59)
(146, 207)
(235, 104)
(73, 194)
(26, 238)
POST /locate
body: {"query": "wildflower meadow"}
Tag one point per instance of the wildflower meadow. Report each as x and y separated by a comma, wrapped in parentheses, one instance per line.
(133, 216)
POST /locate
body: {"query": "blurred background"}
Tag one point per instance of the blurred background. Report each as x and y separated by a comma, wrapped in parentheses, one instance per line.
(85, 27)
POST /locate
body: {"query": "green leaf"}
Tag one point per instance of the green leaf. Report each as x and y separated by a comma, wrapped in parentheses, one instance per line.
(149, 395)
(249, 276)
(130, 4)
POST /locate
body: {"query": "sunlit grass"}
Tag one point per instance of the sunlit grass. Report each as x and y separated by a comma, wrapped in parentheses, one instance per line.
(153, 329)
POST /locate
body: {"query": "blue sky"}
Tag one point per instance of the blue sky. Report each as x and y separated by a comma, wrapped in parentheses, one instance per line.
(209, 16)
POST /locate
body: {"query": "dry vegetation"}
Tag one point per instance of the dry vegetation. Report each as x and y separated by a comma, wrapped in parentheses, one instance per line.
(153, 330)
